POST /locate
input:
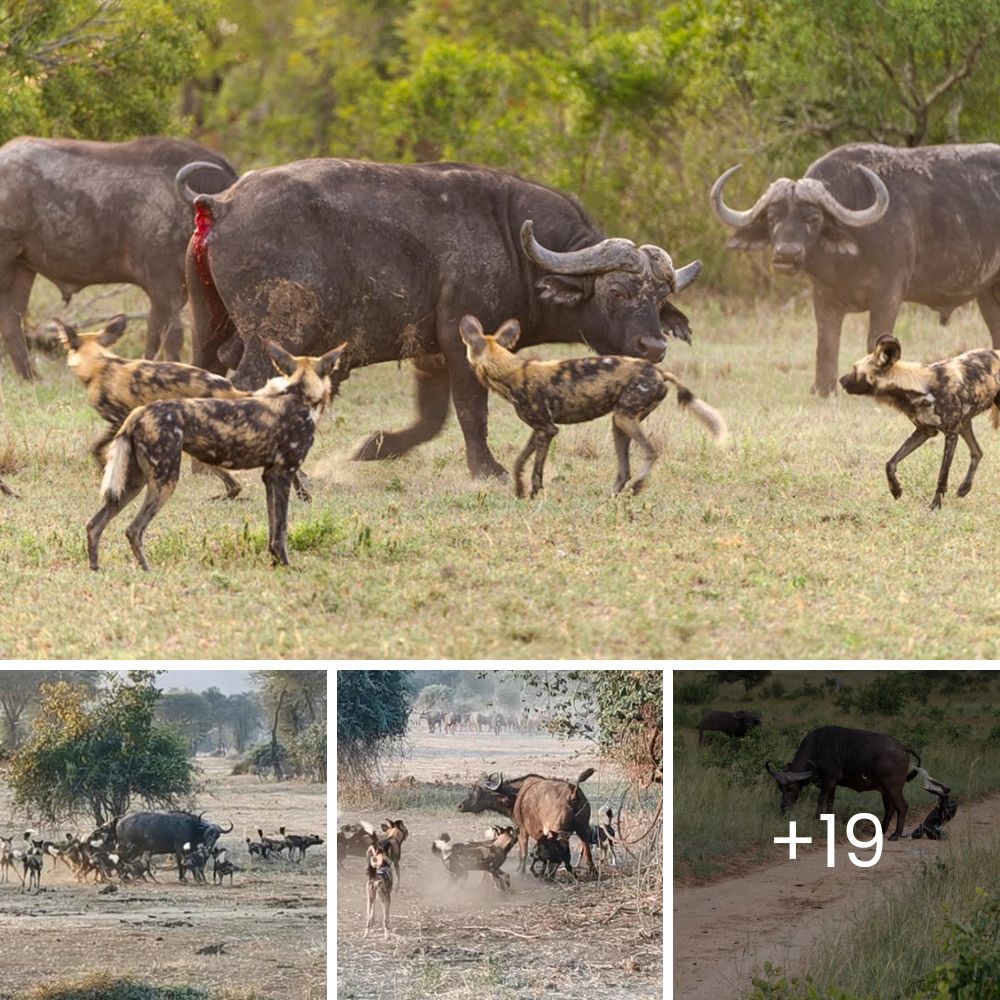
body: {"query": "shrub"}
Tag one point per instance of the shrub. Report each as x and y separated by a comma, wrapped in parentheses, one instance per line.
(972, 971)
(696, 691)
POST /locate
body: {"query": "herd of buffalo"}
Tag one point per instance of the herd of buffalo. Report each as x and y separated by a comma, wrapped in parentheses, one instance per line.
(380, 262)
(833, 756)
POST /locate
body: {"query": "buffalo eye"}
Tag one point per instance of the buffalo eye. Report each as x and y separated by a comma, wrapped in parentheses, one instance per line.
(618, 295)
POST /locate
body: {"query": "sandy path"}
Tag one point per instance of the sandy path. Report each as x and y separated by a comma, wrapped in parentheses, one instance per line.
(779, 913)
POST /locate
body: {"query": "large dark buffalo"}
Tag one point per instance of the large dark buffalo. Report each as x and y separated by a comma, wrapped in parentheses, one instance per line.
(874, 227)
(854, 758)
(164, 833)
(389, 257)
(539, 806)
(85, 213)
(731, 723)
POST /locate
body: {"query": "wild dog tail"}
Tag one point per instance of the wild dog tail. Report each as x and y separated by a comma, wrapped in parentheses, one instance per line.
(118, 461)
(708, 415)
(995, 414)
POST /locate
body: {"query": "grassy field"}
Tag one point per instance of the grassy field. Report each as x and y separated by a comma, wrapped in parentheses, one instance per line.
(786, 545)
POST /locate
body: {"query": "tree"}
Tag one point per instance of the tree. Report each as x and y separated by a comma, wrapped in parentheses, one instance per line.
(188, 714)
(102, 69)
(299, 696)
(372, 713)
(100, 755)
(749, 678)
(244, 718)
(19, 689)
(217, 705)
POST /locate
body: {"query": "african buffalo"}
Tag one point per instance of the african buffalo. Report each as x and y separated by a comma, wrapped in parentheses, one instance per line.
(874, 226)
(539, 806)
(164, 833)
(84, 213)
(731, 723)
(391, 256)
(854, 758)
(434, 720)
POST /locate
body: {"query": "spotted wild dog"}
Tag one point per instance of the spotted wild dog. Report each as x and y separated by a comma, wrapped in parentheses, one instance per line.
(943, 396)
(272, 432)
(378, 887)
(546, 393)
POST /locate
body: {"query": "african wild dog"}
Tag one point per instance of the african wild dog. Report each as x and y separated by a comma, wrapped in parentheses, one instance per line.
(221, 866)
(116, 386)
(943, 396)
(551, 852)
(393, 834)
(378, 886)
(300, 842)
(9, 858)
(546, 393)
(194, 860)
(271, 432)
(33, 859)
(478, 856)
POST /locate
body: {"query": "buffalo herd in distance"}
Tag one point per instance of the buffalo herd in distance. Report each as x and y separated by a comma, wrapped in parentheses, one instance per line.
(331, 265)
(858, 759)
(547, 811)
(447, 721)
(123, 849)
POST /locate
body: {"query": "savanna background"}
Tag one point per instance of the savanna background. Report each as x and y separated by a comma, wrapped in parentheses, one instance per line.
(921, 924)
(787, 544)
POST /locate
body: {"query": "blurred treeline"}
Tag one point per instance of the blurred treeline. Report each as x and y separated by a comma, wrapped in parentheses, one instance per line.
(634, 106)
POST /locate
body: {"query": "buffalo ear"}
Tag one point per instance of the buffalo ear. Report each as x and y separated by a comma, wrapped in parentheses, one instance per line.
(283, 361)
(113, 330)
(471, 332)
(68, 336)
(508, 334)
(887, 350)
(755, 236)
(565, 289)
(836, 239)
(330, 361)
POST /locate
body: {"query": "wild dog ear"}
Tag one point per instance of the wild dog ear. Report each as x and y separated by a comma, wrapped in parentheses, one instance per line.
(887, 350)
(755, 236)
(508, 334)
(113, 329)
(471, 332)
(283, 361)
(330, 361)
(68, 336)
(565, 289)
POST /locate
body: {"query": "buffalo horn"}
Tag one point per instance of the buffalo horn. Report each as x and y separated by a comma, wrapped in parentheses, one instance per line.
(686, 275)
(230, 830)
(609, 255)
(862, 216)
(183, 188)
(778, 776)
(730, 216)
(491, 785)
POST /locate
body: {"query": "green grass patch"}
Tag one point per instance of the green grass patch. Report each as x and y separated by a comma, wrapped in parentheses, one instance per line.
(785, 545)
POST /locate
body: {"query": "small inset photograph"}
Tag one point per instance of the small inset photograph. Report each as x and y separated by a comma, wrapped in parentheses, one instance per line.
(499, 834)
(163, 835)
(836, 834)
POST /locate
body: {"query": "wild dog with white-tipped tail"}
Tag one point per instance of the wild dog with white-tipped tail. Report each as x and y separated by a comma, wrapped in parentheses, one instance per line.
(547, 393)
(271, 432)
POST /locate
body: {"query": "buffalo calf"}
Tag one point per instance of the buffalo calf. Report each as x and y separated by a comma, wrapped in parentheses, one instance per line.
(547, 393)
(271, 432)
(941, 397)
(731, 723)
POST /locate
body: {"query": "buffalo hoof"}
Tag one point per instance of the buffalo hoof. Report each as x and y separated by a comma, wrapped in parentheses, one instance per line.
(896, 490)
(488, 468)
(895, 836)
(936, 502)
(963, 490)
(824, 390)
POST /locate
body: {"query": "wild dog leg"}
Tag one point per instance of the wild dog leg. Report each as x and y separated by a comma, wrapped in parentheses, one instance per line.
(975, 454)
(950, 442)
(630, 426)
(622, 445)
(526, 453)
(543, 438)
(920, 436)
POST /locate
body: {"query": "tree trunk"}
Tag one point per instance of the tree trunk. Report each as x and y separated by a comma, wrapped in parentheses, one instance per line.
(274, 739)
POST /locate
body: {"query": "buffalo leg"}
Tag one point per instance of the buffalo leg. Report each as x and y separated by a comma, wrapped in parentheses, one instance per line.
(920, 436)
(975, 454)
(882, 316)
(211, 325)
(588, 855)
(829, 321)
(989, 306)
(950, 442)
(163, 328)
(522, 848)
(14, 295)
(433, 392)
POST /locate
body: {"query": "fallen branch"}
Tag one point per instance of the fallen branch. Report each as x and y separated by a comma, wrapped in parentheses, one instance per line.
(500, 930)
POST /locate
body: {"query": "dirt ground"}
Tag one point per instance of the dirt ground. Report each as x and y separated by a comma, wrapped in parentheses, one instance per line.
(272, 922)
(796, 904)
(598, 938)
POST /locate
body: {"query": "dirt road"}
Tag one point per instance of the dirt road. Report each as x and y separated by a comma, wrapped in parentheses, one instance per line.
(780, 913)
(599, 939)
(271, 922)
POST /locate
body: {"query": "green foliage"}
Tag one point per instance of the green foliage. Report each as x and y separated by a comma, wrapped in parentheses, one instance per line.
(695, 691)
(434, 696)
(775, 985)
(748, 678)
(99, 754)
(308, 751)
(372, 714)
(96, 69)
(972, 969)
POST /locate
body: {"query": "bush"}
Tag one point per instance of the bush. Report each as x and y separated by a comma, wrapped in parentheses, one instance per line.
(696, 691)
(972, 971)
(884, 696)
(774, 690)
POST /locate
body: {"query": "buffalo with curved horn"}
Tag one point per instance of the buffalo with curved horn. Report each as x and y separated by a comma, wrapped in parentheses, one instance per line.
(397, 254)
(873, 227)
